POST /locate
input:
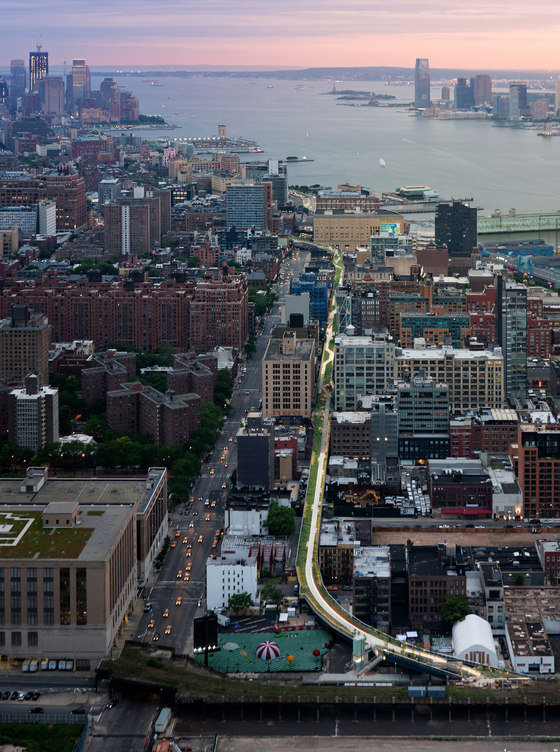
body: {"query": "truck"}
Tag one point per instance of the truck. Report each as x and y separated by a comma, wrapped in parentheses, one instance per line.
(162, 721)
(223, 620)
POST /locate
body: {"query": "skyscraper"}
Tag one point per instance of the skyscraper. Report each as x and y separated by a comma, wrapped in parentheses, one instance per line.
(518, 99)
(38, 68)
(18, 80)
(456, 227)
(422, 83)
(511, 332)
(81, 81)
(557, 95)
(464, 95)
(51, 95)
(482, 88)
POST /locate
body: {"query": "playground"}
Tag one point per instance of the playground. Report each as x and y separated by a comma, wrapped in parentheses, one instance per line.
(296, 650)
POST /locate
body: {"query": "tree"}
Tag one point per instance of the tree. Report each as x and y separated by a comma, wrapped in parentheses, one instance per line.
(270, 592)
(280, 520)
(453, 609)
(238, 601)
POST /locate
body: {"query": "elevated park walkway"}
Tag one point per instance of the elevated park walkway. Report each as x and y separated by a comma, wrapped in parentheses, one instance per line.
(309, 576)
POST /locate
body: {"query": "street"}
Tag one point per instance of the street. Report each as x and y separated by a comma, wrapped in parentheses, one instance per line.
(184, 600)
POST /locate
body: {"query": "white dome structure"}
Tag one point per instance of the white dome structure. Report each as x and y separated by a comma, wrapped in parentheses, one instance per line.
(473, 640)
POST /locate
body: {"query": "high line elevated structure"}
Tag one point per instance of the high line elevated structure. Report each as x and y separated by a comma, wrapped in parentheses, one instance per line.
(311, 584)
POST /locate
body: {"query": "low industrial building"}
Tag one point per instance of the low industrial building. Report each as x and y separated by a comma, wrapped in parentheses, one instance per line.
(473, 641)
(531, 614)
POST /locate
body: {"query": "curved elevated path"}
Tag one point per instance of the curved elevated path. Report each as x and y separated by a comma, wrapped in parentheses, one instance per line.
(311, 584)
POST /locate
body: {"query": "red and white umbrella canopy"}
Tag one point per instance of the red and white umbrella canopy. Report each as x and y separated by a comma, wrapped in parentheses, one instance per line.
(268, 650)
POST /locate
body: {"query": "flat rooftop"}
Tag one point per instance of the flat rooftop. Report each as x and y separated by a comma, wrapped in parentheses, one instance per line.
(85, 491)
(23, 536)
(528, 611)
(438, 353)
(372, 561)
(303, 350)
(335, 532)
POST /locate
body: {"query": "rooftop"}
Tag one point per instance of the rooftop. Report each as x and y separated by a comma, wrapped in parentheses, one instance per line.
(303, 350)
(439, 353)
(86, 491)
(372, 561)
(335, 532)
(351, 417)
(527, 610)
(23, 536)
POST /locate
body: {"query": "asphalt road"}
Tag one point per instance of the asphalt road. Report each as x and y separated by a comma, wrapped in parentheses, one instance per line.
(213, 485)
(122, 728)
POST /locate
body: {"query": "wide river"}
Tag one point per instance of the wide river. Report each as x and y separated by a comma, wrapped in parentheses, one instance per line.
(497, 167)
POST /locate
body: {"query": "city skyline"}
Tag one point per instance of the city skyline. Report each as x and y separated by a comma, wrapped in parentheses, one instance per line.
(322, 34)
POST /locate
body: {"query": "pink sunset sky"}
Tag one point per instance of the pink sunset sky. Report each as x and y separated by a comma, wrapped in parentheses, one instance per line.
(475, 34)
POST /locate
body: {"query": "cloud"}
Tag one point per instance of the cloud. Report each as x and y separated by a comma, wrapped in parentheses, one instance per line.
(261, 31)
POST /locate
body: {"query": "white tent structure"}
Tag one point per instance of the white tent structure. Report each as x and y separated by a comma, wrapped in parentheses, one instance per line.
(473, 641)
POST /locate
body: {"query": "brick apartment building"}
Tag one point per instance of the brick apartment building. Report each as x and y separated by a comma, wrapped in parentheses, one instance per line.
(141, 315)
(192, 373)
(24, 344)
(68, 190)
(106, 372)
(351, 434)
(169, 419)
(434, 574)
(219, 314)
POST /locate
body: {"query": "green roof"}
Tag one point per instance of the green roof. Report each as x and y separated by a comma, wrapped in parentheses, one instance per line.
(22, 536)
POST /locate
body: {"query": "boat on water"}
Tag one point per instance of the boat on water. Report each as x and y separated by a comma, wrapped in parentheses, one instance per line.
(382, 162)
(270, 86)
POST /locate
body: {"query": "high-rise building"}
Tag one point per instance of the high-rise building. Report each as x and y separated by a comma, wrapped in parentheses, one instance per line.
(18, 80)
(536, 461)
(464, 95)
(248, 205)
(422, 83)
(511, 333)
(24, 345)
(482, 89)
(127, 227)
(557, 95)
(423, 412)
(255, 453)
(33, 414)
(51, 95)
(81, 81)
(169, 419)
(456, 228)
(38, 68)
(67, 190)
(288, 377)
(475, 377)
(518, 99)
(219, 313)
(362, 366)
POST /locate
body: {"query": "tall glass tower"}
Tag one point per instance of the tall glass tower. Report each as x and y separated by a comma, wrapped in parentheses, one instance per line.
(422, 83)
(38, 68)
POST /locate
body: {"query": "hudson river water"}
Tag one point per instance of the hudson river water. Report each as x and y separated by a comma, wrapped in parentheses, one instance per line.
(497, 167)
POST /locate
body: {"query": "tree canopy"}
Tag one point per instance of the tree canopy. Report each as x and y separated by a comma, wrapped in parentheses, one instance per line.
(238, 601)
(453, 609)
(280, 520)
